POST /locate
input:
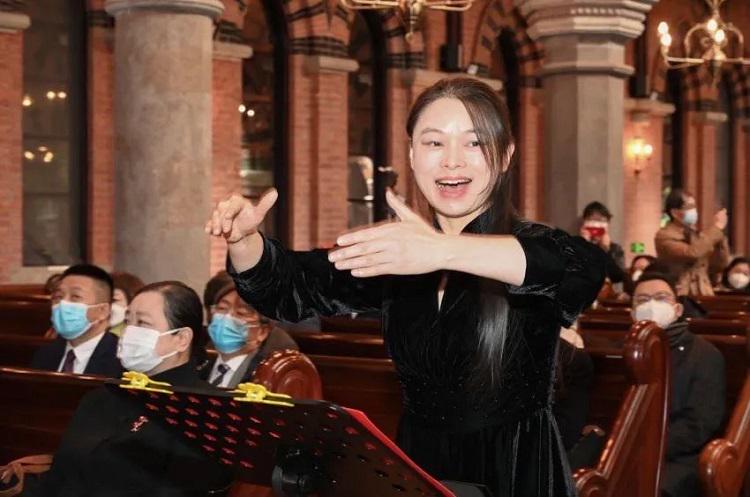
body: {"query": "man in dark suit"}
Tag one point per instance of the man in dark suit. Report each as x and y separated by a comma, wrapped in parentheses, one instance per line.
(80, 316)
(697, 396)
(242, 338)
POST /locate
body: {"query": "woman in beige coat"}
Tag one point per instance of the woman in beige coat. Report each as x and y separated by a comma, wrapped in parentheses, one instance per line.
(689, 251)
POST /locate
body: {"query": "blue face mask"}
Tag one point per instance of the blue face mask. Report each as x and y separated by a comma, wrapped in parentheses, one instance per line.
(69, 319)
(228, 334)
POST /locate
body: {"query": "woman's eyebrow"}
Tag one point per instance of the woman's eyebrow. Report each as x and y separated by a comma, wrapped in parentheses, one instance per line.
(431, 130)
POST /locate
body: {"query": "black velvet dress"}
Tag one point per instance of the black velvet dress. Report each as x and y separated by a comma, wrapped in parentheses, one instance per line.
(504, 437)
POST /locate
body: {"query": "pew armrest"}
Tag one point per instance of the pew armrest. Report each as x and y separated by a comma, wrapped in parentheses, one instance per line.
(289, 372)
(724, 462)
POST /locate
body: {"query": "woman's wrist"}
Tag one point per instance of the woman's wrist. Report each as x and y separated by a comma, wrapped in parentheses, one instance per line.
(448, 251)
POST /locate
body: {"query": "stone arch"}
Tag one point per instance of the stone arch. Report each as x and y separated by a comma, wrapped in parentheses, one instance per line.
(499, 15)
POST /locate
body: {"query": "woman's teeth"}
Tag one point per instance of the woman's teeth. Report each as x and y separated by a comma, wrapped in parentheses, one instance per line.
(452, 183)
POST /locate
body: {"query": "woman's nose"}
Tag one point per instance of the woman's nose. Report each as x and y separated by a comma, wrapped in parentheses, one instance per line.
(454, 156)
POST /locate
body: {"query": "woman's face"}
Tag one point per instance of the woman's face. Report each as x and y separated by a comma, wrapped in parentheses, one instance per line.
(147, 311)
(740, 268)
(119, 297)
(447, 160)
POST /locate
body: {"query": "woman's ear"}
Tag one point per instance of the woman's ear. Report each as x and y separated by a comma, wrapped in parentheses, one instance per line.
(508, 157)
(411, 156)
(184, 339)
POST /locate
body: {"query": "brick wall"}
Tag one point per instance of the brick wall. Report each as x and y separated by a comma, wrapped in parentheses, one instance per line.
(227, 142)
(11, 185)
(101, 187)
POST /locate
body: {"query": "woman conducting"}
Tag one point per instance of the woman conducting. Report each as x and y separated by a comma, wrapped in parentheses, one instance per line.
(472, 302)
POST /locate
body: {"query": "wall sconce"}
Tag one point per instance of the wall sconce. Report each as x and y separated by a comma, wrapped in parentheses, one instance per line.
(640, 151)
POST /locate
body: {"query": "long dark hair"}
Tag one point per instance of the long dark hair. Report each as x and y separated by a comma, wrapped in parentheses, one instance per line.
(183, 309)
(491, 121)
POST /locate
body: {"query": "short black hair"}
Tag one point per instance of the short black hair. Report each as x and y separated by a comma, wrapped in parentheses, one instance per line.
(596, 208)
(675, 200)
(214, 286)
(725, 274)
(99, 275)
(658, 271)
(183, 309)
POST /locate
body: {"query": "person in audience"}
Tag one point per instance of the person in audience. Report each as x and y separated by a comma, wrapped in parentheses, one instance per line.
(472, 300)
(697, 396)
(51, 284)
(595, 229)
(736, 276)
(242, 338)
(80, 317)
(217, 282)
(637, 266)
(126, 286)
(680, 243)
(112, 446)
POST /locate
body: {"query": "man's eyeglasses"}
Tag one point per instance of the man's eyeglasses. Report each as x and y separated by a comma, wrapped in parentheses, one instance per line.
(659, 297)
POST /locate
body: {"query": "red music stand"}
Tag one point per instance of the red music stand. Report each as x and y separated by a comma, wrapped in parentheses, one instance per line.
(298, 447)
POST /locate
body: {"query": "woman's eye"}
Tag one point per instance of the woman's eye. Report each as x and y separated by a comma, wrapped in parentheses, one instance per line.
(433, 143)
(475, 143)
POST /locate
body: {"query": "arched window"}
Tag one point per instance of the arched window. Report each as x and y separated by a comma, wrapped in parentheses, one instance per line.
(506, 67)
(264, 105)
(54, 133)
(367, 121)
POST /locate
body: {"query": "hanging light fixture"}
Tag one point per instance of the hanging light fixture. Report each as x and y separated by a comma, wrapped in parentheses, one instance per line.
(712, 42)
(409, 10)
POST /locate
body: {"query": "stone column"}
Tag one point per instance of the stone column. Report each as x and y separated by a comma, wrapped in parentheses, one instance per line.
(163, 71)
(12, 24)
(584, 89)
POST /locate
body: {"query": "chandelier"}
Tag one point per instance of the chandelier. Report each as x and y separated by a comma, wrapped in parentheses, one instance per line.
(712, 42)
(409, 10)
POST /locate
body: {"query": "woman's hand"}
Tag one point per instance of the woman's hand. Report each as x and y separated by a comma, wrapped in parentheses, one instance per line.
(237, 217)
(408, 246)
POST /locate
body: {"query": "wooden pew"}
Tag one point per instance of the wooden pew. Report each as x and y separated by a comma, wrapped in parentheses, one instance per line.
(25, 317)
(18, 350)
(30, 292)
(631, 461)
(725, 462)
(37, 406)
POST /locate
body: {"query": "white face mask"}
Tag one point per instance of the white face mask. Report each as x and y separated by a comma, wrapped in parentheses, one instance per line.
(636, 275)
(691, 217)
(117, 315)
(739, 281)
(137, 348)
(661, 313)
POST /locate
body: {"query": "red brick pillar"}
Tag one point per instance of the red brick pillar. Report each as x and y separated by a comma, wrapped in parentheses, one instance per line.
(642, 192)
(529, 143)
(700, 161)
(740, 224)
(318, 186)
(12, 25)
(227, 131)
(101, 145)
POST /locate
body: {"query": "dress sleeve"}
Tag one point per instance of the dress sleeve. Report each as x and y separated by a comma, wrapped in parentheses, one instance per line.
(566, 271)
(293, 286)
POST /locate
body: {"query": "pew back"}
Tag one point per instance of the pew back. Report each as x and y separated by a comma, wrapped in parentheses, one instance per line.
(632, 458)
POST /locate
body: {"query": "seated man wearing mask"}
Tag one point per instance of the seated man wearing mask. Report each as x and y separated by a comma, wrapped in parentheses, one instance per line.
(80, 317)
(681, 244)
(736, 277)
(112, 446)
(242, 337)
(697, 396)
